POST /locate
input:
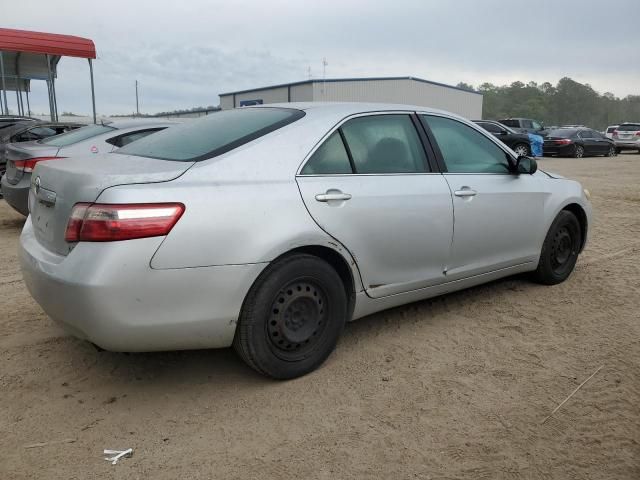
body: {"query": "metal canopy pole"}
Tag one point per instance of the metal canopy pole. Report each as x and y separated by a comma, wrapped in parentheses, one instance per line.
(28, 106)
(49, 89)
(18, 87)
(4, 86)
(93, 93)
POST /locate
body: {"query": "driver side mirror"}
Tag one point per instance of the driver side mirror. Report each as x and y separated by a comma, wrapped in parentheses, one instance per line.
(526, 165)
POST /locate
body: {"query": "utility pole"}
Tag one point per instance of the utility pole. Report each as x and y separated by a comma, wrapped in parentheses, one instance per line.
(324, 79)
(137, 104)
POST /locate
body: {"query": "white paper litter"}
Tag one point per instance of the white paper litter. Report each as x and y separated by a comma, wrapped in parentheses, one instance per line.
(117, 455)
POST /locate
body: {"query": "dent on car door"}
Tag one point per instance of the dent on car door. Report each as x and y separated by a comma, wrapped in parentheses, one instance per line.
(498, 215)
(369, 186)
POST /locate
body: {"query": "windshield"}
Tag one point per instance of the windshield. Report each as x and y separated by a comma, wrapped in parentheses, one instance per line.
(562, 133)
(629, 128)
(212, 135)
(76, 136)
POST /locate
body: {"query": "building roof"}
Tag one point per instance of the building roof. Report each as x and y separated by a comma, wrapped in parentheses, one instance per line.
(364, 79)
(46, 43)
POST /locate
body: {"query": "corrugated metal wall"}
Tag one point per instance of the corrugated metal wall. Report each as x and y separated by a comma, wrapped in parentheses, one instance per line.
(302, 93)
(403, 91)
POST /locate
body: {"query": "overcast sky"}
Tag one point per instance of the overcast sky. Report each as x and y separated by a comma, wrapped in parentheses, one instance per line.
(184, 53)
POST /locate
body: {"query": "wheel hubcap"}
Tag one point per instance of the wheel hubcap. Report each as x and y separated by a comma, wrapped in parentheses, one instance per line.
(298, 316)
(579, 152)
(521, 150)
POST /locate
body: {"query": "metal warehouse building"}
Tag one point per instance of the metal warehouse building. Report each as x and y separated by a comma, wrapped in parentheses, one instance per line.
(406, 90)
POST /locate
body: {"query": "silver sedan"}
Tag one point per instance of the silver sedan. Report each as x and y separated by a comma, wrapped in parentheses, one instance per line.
(267, 228)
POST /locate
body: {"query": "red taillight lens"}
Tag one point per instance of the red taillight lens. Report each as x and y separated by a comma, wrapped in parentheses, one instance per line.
(637, 134)
(615, 134)
(100, 222)
(28, 165)
(562, 141)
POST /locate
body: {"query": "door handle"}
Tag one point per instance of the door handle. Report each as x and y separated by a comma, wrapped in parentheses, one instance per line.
(465, 192)
(327, 197)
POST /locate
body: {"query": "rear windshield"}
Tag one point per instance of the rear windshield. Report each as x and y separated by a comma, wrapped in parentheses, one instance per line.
(629, 128)
(611, 129)
(212, 135)
(77, 135)
(510, 123)
(562, 133)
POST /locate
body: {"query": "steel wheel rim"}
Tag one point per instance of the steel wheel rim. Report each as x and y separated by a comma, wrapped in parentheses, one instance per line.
(563, 249)
(297, 319)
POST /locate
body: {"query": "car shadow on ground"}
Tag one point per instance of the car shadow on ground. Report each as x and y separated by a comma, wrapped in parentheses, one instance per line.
(194, 367)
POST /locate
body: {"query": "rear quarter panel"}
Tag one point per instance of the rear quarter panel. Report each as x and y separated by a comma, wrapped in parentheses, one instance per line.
(242, 207)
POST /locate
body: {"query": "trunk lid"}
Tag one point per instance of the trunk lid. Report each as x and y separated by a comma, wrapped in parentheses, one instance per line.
(24, 151)
(58, 185)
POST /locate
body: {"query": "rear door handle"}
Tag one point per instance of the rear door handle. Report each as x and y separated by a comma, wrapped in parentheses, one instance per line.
(327, 197)
(465, 192)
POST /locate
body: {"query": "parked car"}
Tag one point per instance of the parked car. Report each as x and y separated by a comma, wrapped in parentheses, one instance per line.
(518, 142)
(527, 125)
(627, 137)
(578, 143)
(24, 131)
(609, 131)
(92, 139)
(269, 227)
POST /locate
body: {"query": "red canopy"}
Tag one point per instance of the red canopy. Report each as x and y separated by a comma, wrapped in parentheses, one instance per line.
(46, 43)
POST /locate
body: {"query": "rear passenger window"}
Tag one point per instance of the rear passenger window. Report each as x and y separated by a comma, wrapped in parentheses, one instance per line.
(126, 139)
(384, 144)
(330, 158)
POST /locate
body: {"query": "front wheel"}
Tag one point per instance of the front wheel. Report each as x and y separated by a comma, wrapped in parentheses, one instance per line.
(559, 250)
(292, 317)
(611, 152)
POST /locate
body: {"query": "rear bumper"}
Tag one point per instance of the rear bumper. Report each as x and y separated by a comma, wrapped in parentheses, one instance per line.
(108, 294)
(628, 144)
(565, 150)
(17, 195)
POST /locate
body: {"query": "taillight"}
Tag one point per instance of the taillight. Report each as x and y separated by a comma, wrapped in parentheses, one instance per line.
(562, 141)
(28, 165)
(637, 134)
(615, 134)
(102, 222)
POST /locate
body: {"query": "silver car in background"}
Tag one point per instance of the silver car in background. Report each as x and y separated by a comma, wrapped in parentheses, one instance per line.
(627, 137)
(267, 228)
(22, 157)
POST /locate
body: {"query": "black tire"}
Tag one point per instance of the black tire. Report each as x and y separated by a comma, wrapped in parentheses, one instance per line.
(292, 317)
(618, 151)
(578, 151)
(560, 250)
(611, 152)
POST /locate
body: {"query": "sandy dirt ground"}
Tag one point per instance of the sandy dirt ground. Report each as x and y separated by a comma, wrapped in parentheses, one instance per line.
(455, 387)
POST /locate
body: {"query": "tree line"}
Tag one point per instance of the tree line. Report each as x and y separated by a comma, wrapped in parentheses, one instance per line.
(567, 103)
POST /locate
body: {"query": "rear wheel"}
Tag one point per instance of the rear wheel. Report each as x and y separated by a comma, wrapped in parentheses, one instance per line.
(559, 250)
(292, 317)
(521, 150)
(578, 152)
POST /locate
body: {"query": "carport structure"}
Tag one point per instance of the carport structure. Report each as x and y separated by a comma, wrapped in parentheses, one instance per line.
(26, 56)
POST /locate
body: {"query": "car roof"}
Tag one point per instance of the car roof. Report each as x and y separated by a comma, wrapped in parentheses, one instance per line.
(139, 123)
(345, 109)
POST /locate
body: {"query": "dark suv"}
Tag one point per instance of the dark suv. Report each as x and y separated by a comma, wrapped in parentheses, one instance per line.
(527, 125)
(518, 142)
